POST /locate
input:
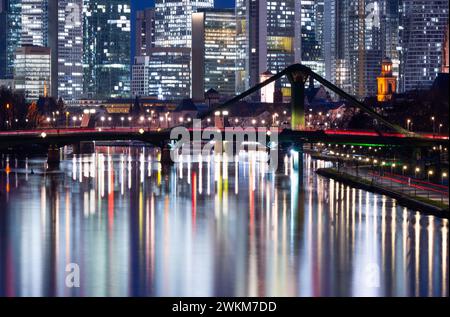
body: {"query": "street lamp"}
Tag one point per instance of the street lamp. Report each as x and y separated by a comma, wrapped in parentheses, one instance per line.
(430, 173)
(433, 119)
(444, 175)
(404, 169)
(417, 170)
(408, 123)
(440, 127)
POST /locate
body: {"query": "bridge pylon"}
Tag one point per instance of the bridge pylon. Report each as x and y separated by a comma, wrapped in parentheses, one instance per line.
(298, 80)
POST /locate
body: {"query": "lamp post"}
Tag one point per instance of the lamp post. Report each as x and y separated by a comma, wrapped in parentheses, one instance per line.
(417, 170)
(444, 176)
(433, 119)
(430, 173)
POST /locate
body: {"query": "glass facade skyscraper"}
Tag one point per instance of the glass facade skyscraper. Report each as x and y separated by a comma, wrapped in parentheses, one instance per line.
(24, 22)
(171, 57)
(268, 38)
(170, 72)
(213, 52)
(423, 26)
(32, 71)
(312, 24)
(107, 46)
(173, 24)
(145, 32)
(70, 49)
(34, 23)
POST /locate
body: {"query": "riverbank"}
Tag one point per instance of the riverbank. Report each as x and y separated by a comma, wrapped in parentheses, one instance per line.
(417, 203)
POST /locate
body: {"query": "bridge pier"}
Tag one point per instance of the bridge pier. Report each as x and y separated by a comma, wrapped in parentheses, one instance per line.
(166, 158)
(83, 148)
(53, 156)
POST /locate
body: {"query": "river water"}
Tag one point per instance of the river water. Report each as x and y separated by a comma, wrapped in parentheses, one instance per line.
(131, 227)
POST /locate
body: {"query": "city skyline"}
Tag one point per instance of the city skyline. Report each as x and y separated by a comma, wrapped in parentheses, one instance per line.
(295, 149)
(344, 41)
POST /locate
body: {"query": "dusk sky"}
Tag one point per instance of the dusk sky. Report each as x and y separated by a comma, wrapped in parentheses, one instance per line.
(142, 4)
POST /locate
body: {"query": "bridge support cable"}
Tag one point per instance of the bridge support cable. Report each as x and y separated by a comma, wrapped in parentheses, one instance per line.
(298, 74)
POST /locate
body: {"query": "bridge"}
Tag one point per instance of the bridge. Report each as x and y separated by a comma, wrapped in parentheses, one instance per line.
(297, 135)
(63, 137)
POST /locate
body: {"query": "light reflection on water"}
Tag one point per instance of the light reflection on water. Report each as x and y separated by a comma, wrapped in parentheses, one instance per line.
(209, 228)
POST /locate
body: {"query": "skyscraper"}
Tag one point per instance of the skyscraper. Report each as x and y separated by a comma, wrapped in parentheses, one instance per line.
(145, 32)
(173, 24)
(107, 43)
(268, 38)
(24, 22)
(140, 81)
(423, 26)
(312, 25)
(32, 71)
(68, 48)
(170, 59)
(358, 35)
(213, 52)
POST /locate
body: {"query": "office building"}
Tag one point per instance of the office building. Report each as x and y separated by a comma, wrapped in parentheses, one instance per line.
(312, 35)
(67, 48)
(173, 21)
(171, 58)
(23, 22)
(140, 84)
(145, 32)
(423, 27)
(32, 71)
(170, 73)
(213, 52)
(107, 47)
(268, 38)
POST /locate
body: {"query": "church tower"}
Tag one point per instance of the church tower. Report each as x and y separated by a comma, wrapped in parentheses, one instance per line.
(387, 83)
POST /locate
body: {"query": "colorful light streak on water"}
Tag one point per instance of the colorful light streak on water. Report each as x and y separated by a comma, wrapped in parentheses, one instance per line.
(209, 227)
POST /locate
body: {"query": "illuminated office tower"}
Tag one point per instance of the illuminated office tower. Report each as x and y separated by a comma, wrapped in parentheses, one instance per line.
(268, 38)
(170, 73)
(140, 83)
(24, 22)
(423, 27)
(107, 47)
(213, 52)
(358, 35)
(365, 46)
(336, 43)
(173, 21)
(145, 32)
(66, 41)
(34, 22)
(32, 71)
(312, 25)
(171, 57)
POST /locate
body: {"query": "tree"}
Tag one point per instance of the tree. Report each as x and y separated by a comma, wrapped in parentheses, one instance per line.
(33, 116)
